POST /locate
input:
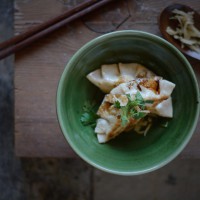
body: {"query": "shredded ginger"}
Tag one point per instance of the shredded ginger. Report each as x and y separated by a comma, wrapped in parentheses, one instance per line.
(186, 32)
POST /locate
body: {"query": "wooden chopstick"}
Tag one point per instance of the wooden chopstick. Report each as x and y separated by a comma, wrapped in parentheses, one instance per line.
(45, 25)
(18, 42)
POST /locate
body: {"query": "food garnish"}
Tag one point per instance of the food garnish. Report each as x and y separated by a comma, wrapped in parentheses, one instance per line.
(186, 32)
(133, 109)
(89, 116)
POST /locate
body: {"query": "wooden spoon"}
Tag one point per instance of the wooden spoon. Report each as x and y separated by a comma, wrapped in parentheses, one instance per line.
(165, 21)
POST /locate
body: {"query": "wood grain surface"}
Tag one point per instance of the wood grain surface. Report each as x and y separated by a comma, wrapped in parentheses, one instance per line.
(39, 66)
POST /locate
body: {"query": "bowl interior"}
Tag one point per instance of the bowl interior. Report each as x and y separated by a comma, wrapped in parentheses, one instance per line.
(129, 153)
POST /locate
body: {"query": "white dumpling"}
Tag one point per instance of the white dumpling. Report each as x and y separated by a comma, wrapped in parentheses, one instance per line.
(166, 87)
(109, 125)
(111, 75)
(131, 87)
(165, 109)
(102, 126)
(125, 88)
(132, 71)
(128, 70)
(162, 97)
(102, 138)
(96, 78)
(148, 94)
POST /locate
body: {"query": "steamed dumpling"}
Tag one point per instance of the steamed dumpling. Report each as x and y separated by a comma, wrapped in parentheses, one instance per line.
(132, 71)
(109, 124)
(111, 75)
(164, 108)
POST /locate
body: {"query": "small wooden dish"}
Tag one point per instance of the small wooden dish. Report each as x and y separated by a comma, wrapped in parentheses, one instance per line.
(165, 21)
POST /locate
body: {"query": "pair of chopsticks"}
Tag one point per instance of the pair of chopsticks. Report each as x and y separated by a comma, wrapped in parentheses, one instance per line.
(18, 42)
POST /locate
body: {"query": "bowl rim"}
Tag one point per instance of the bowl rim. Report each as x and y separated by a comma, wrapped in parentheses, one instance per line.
(72, 61)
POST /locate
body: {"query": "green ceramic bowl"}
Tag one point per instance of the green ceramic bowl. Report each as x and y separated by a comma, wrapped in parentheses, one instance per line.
(128, 154)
